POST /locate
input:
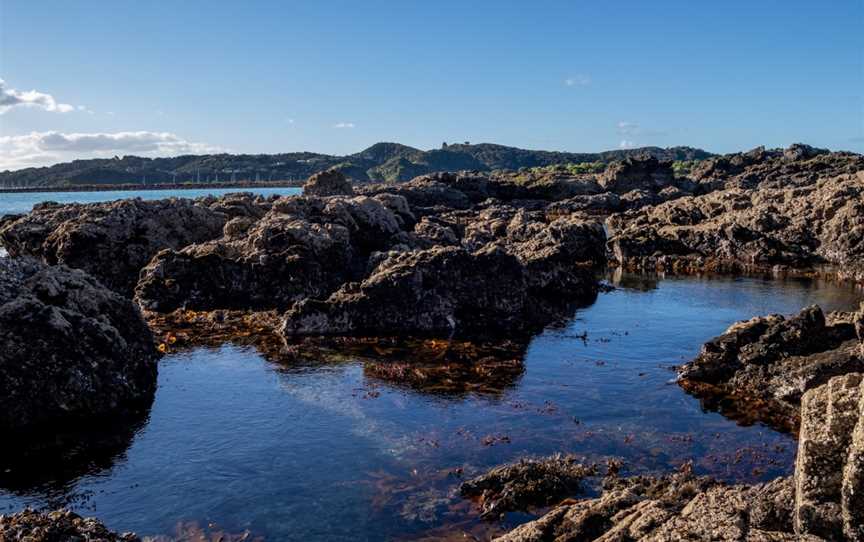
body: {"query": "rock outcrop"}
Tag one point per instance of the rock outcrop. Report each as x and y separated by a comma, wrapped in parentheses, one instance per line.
(72, 349)
(303, 247)
(822, 501)
(112, 241)
(58, 526)
(328, 183)
(526, 484)
(754, 228)
(829, 471)
(777, 359)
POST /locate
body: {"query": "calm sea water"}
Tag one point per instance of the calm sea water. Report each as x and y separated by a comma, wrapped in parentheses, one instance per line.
(328, 451)
(11, 203)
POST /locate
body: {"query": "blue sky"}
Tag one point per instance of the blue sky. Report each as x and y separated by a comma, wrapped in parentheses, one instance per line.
(151, 78)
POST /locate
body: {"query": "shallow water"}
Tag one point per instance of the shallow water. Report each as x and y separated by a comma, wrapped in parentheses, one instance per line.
(330, 452)
(22, 202)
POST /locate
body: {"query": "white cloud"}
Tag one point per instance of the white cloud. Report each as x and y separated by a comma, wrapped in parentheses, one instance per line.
(289, 121)
(628, 128)
(578, 80)
(46, 148)
(9, 98)
(626, 144)
(344, 125)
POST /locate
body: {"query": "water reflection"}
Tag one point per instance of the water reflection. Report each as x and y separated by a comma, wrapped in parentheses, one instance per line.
(361, 446)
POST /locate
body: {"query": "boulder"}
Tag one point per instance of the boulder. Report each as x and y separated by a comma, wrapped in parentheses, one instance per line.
(527, 483)
(776, 358)
(829, 470)
(328, 183)
(111, 241)
(304, 246)
(442, 290)
(637, 173)
(72, 349)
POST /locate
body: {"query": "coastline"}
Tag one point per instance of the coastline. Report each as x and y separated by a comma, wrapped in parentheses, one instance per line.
(157, 186)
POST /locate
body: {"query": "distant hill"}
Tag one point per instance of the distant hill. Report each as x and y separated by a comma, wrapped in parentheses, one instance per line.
(390, 162)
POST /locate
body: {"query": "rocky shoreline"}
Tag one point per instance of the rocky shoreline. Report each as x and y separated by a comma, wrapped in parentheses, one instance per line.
(464, 259)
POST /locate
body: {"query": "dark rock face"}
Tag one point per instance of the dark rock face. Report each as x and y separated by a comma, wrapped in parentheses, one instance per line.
(72, 349)
(438, 291)
(646, 173)
(304, 246)
(528, 483)
(510, 274)
(328, 183)
(776, 358)
(113, 241)
(57, 526)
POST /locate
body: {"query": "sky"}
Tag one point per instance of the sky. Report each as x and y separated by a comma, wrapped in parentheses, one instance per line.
(105, 78)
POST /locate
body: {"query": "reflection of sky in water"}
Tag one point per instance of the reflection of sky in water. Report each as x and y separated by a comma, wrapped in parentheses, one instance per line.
(323, 452)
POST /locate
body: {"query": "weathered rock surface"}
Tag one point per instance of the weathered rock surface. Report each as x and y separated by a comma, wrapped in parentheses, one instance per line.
(57, 526)
(776, 358)
(495, 282)
(112, 241)
(304, 246)
(829, 471)
(527, 483)
(328, 183)
(676, 507)
(72, 349)
(646, 173)
(822, 501)
(759, 227)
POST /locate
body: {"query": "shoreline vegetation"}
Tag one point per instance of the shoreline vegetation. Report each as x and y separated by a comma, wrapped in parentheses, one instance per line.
(449, 260)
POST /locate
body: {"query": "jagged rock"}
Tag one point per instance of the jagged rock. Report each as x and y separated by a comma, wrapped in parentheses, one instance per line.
(304, 246)
(527, 483)
(770, 223)
(829, 471)
(111, 241)
(513, 272)
(776, 358)
(57, 526)
(676, 507)
(440, 290)
(72, 349)
(643, 173)
(328, 183)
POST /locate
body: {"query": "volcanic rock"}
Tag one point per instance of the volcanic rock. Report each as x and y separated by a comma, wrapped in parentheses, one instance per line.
(112, 241)
(72, 349)
(328, 183)
(527, 483)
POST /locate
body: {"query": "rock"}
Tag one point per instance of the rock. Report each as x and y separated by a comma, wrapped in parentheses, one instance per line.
(443, 290)
(304, 246)
(776, 358)
(756, 225)
(57, 526)
(643, 173)
(829, 471)
(111, 241)
(513, 272)
(328, 183)
(528, 483)
(72, 349)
